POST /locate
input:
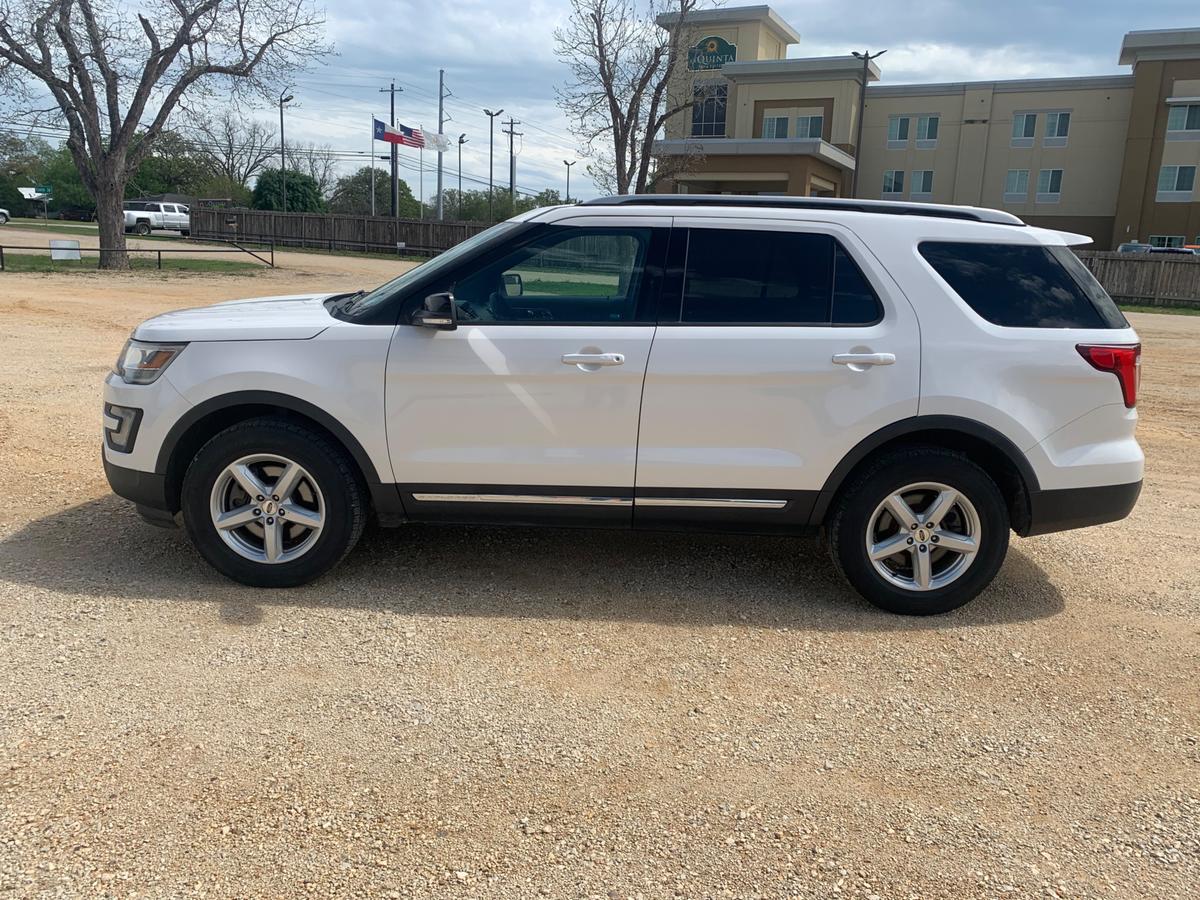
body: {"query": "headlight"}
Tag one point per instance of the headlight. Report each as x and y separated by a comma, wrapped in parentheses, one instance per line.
(141, 362)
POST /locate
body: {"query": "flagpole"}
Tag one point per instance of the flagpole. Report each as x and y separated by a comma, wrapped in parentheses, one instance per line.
(421, 156)
(371, 163)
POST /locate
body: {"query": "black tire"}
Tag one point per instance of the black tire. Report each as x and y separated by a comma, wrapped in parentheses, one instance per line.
(186, 233)
(328, 464)
(142, 228)
(3, 219)
(856, 505)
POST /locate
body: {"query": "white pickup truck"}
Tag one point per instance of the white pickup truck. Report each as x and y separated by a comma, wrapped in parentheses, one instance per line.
(144, 216)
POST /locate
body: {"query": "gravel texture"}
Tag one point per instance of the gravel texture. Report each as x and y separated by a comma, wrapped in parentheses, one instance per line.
(487, 713)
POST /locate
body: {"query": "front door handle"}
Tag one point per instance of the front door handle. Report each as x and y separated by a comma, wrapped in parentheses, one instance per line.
(589, 362)
(858, 361)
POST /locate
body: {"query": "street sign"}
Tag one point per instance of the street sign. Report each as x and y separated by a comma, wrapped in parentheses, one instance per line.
(44, 189)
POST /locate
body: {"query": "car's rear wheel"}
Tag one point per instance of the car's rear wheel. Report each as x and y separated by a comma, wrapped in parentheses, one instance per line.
(3, 219)
(142, 228)
(272, 504)
(921, 531)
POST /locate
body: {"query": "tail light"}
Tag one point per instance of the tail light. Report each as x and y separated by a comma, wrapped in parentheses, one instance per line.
(1123, 360)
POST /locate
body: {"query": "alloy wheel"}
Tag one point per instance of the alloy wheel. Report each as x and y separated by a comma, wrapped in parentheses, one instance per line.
(923, 537)
(267, 508)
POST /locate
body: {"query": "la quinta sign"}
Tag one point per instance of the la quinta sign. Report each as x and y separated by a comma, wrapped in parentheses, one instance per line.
(711, 53)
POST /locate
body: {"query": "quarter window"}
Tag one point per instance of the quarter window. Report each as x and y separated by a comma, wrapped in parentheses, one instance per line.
(1023, 285)
(743, 277)
(893, 181)
(566, 275)
(709, 100)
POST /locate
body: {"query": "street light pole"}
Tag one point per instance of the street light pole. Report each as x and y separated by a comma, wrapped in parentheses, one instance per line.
(462, 139)
(282, 145)
(491, 159)
(866, 56)
(568, 165)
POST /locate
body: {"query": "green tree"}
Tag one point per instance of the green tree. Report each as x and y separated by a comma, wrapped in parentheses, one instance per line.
(172, 167)
(352, 195)
(303, 194)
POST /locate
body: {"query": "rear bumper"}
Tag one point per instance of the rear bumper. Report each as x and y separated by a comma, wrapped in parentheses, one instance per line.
(1061, 510)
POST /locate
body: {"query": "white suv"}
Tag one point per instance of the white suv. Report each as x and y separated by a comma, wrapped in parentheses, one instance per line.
(915, 379)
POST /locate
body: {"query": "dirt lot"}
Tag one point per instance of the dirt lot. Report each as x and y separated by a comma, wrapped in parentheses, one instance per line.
(482, 713)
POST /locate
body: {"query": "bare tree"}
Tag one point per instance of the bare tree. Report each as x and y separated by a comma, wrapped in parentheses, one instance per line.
(116, 76)
(234, 147)
(618, 96)
(320, 162)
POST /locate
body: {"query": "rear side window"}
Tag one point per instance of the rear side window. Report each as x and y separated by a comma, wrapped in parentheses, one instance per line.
(1024, 285)
(742, 277)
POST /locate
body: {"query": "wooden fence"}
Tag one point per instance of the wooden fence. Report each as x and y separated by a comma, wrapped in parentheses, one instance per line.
(1153, 279)
(330, 232)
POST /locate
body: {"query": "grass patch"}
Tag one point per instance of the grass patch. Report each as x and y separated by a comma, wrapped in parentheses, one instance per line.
(568, 288)
(1161, 310)
(28, 262)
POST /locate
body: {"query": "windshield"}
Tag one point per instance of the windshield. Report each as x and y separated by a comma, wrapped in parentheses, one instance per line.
(386, 292)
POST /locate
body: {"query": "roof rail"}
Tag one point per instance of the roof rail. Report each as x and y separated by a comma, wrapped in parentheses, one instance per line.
(839, 204)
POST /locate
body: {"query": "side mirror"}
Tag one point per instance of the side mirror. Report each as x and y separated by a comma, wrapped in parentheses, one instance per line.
(438, 311)
(513, 286)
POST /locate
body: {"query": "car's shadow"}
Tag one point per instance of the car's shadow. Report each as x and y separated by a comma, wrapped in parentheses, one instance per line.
(102, 548)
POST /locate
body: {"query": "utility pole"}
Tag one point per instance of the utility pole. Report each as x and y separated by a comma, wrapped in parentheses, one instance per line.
(866, 56)
(393, 90)
(282, 146)
(441, 123)
(462, 139)
(491, 159)
(512, 157)
(568, 165)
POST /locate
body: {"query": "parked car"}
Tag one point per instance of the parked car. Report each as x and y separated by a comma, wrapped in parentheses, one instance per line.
(4, 217)
(142, 217)
(1133, 247)
(916, 379)
(78, 213)
(1178, 251)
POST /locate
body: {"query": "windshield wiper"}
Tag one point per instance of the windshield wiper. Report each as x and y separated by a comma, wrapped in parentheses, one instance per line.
(343, 303)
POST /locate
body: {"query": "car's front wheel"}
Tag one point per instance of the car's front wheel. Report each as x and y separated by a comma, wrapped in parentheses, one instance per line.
(272, 504)
(921, 531)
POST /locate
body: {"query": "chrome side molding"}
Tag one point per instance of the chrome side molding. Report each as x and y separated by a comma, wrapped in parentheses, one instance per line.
(573, 500)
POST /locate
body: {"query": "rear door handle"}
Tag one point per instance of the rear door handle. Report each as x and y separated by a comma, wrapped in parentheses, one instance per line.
(864, 359)
(593, 360)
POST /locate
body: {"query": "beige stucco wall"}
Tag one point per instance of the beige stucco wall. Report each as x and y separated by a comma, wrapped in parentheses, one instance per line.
(843, 91)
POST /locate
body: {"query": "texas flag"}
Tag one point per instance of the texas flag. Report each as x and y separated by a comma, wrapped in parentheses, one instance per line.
(398, 134)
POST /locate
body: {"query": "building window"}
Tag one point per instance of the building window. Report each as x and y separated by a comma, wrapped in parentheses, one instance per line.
(1016, 186)
(775, 127)
(709, 100)
(1057, 126)
(1166, 240)
(927, 132)
(922, 182)
(1183, 122)
(1175, 184)
(897, 132)
(810, 126)
(1049, 185)
(893, 182)
(1024, 126)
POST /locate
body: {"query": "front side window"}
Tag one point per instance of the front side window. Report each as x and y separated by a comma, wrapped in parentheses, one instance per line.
(898, 131)
(810, 126)
(922, 182)
(1024, 126)
(1184, 117)
(574, 275)
(1023, 285)
(709, 101)
(775, 127)
(927, 128)
(1049, 185)
(893, 181)
(1016, 183)
(744, 277)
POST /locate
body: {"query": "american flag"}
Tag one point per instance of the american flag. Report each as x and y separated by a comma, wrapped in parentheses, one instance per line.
(399, 134)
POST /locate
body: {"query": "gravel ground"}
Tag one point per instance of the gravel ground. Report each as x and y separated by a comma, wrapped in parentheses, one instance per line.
(486, 713)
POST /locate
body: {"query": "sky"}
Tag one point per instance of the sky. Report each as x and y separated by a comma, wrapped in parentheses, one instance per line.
(500, 54)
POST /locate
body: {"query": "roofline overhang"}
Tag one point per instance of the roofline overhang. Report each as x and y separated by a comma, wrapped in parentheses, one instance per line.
(733, 16)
